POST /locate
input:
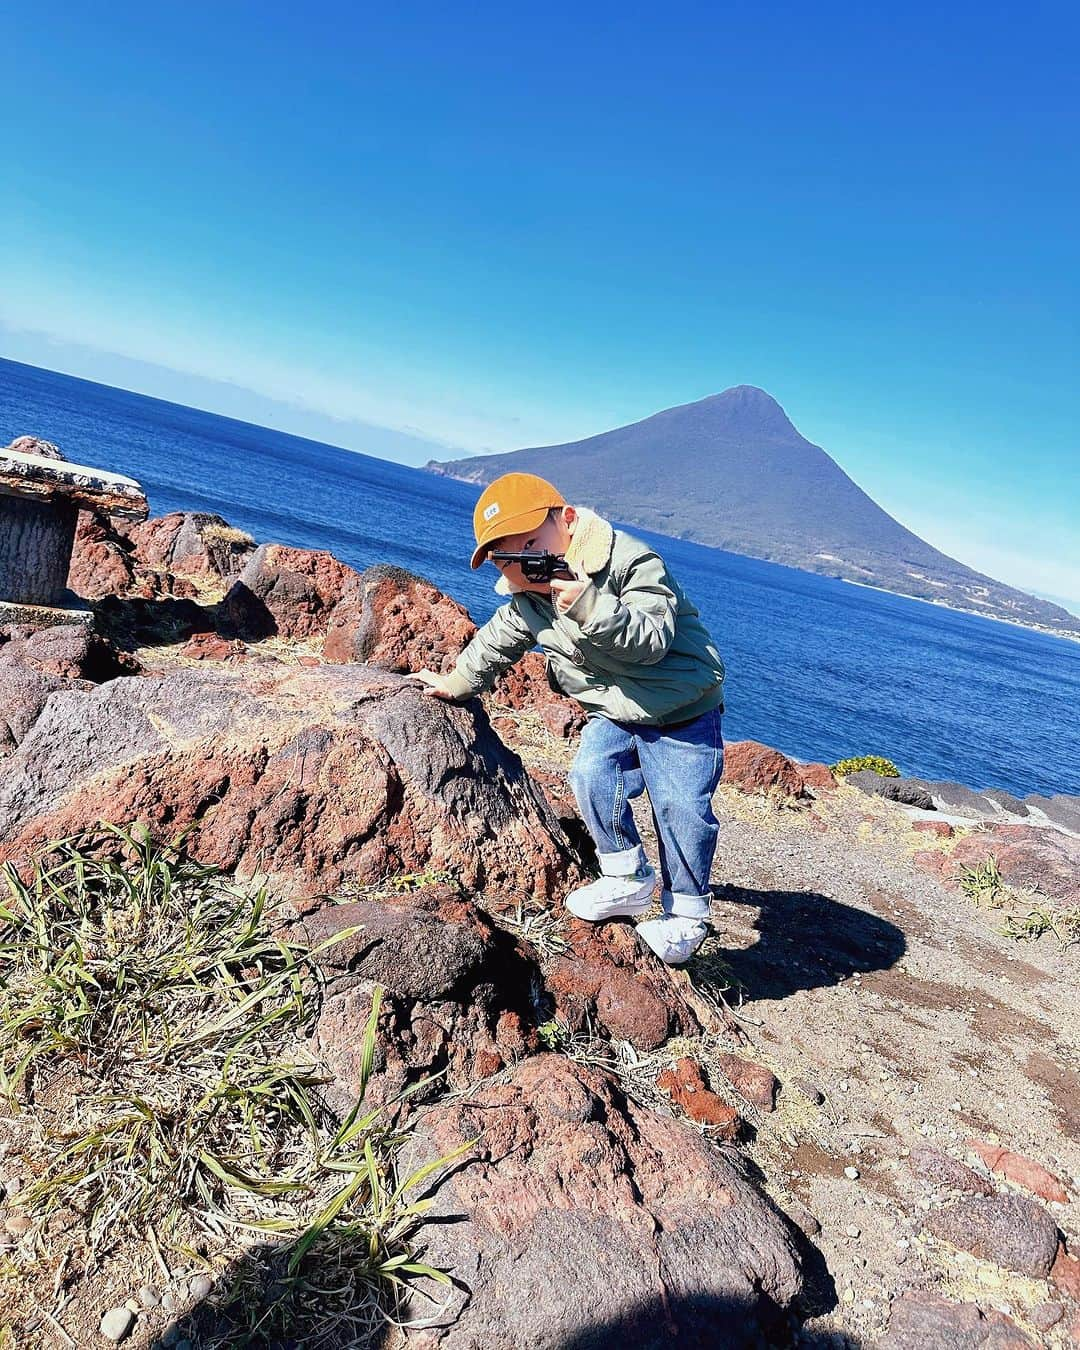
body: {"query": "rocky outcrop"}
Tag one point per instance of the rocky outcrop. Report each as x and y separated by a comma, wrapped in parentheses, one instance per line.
(926, 1321)
(906, 791)
(313, 778)
(397, 621)
(1028, 857)
(577, 1212)
(287, 593)
(192, 543)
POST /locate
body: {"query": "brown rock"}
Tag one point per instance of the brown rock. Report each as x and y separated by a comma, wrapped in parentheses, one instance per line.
(23, 695)
(1010, 1230)
(289, 592)
(456, 998)
(397, 621)
(926, 1321)
(940, 828)
(1021, 1171)
(754, 767)
(753, 1082)
(192, 543)
(817, 776)
(211, 647)
(947, 1172)
(309, 777)
(102, 559)
(34, 445)
(68, 652)
(1027, 856)
(563, 719)
(524, 685)
(607, 979)
(686, 1086)
(1045, 1315)
(1065, 1274)
(583, 1216)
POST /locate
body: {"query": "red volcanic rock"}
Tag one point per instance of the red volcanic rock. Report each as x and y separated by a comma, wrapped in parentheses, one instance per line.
(753, 1082)
(754, 767)
(607, 979)
(924, 1321)
(1010, 1230)
(525, 684)
(34, 445)
(941, 828)
(286, 591)
(1065, 1274)
(69, 652)
(563, 719)
(456, 991)
(686, 1087)
(817, 776)
(397, 621)
(211, 647)
(192, 543)
(1028, 857)
(579, 1209)
(1021, 1171)
(102, 560)
(308, 777)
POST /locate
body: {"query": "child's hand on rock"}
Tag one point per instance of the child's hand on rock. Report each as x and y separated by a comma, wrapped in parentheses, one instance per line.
(434, 684)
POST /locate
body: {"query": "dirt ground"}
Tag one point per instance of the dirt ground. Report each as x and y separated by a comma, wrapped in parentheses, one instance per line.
(896, 1015)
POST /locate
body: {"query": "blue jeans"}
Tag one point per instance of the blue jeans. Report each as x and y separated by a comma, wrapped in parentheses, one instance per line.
(681, 769)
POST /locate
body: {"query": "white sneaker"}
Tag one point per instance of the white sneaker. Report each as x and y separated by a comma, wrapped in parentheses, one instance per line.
(609, 897)
(674, 940)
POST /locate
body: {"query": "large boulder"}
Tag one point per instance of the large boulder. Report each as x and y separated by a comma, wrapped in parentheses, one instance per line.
(1009, 1230)
(287, 592)
(68, 652)
(397, 621)
(312, 778)
(922, 1320)
(906, 791)
(1028, 856)
(456, 999)
(578, 1212)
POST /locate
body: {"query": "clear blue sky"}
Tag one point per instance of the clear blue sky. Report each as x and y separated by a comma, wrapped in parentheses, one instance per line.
(501, 225)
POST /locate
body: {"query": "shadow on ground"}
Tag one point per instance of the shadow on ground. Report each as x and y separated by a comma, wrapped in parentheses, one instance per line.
(804, 940)
(262, 1305)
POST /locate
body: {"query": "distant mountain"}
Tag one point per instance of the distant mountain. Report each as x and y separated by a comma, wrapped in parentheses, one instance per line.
(732, 471)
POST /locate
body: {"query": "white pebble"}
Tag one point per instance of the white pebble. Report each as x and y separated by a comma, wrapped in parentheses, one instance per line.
(116, 1323)
(201, 1286)
(852, 1230)
(852, 1173)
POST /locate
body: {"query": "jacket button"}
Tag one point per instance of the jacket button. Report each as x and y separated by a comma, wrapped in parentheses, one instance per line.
(577, 657)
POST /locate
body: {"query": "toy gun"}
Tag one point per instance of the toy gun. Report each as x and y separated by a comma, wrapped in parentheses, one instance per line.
(536, 567)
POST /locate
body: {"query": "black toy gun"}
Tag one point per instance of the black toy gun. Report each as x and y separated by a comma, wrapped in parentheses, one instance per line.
(536, 567)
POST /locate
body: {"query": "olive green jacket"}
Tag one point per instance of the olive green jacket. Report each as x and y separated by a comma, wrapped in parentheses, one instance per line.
(631, 647)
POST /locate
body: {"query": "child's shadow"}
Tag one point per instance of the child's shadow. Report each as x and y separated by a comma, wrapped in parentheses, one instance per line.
(805, 940)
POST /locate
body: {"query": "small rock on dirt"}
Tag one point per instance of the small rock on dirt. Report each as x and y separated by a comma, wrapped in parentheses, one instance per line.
(200, 1286)
(116, 1323)
(1010, 1230)
(950, 1173)
(921, 1320)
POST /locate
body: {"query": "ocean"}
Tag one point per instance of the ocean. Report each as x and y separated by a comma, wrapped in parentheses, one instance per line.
(817, 667)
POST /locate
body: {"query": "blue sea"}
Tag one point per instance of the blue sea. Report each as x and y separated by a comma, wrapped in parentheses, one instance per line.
(817, 667)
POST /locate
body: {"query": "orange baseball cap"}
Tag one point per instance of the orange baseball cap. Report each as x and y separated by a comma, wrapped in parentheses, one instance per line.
(511, 504)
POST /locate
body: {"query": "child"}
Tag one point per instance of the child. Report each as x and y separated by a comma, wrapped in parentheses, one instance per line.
(623, 640)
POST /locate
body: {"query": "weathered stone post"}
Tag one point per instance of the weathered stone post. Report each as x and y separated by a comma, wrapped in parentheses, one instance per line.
(41, 495)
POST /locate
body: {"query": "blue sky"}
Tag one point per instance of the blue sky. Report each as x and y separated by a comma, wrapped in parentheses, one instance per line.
(490, 226)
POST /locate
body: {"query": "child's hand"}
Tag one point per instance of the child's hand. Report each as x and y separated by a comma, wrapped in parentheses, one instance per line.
(434, 684)
(564, 593)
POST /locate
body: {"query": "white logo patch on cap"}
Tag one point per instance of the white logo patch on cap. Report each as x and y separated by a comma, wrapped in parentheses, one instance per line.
(492, 510)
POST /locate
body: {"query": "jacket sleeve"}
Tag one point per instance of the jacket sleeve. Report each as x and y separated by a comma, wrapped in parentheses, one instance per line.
(504, 639)
(639, 622)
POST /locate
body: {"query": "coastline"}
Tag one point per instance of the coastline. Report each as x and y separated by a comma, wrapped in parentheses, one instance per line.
(959, 609)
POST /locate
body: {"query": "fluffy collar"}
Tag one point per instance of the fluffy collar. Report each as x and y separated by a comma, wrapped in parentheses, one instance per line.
(589, 551)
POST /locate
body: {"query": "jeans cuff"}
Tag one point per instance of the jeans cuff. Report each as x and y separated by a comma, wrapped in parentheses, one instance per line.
(686, 906)
(622, 864)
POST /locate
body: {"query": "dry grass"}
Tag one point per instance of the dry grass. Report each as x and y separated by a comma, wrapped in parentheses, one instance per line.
(152, 1052)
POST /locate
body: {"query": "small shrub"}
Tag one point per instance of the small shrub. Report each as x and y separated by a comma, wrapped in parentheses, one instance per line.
(1029, 927)
(875, 763)
(982, 883)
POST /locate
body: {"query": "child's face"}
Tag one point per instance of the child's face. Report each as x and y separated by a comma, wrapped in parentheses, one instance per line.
(553, 536)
